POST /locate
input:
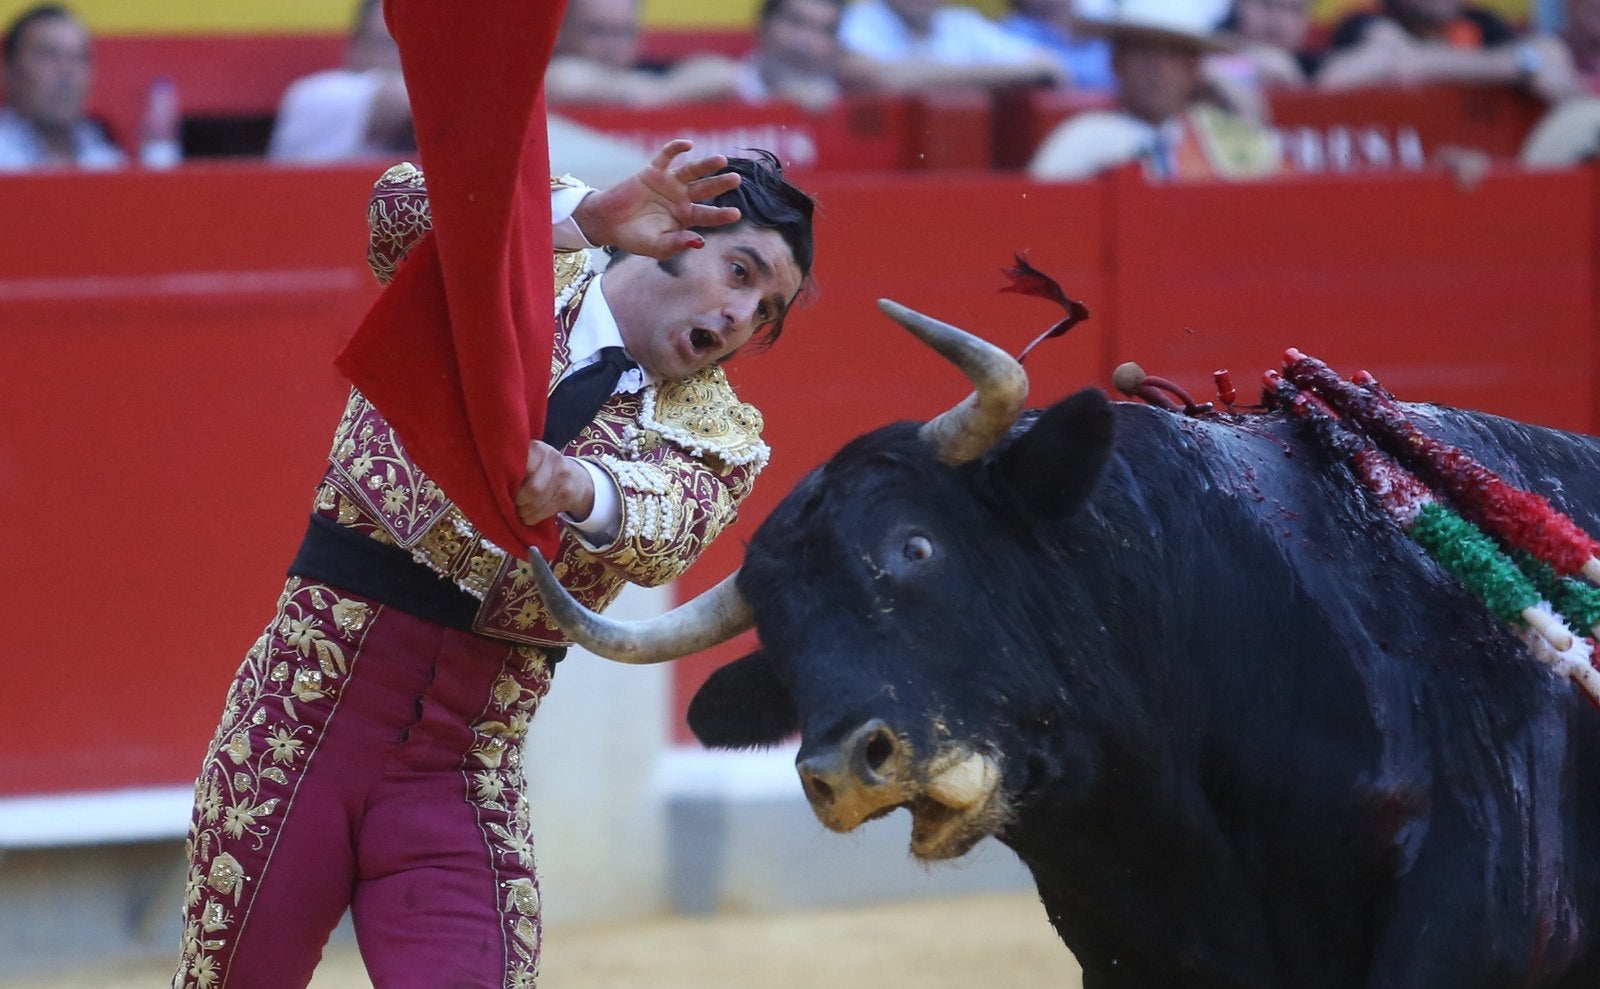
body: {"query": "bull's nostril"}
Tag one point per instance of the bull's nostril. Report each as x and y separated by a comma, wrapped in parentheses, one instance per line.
(879, 749)
(820, 791)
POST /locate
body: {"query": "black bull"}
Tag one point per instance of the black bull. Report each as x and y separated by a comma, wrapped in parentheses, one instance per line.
(1240, 730)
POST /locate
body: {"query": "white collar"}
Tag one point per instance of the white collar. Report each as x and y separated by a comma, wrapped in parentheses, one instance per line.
(595, 328)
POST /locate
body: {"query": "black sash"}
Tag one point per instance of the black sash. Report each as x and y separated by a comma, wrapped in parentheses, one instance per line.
(335, 554)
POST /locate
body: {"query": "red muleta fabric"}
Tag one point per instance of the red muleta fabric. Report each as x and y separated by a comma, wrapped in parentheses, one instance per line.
(456, 352)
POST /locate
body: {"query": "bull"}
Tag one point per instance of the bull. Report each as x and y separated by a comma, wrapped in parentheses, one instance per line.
(1241, 731)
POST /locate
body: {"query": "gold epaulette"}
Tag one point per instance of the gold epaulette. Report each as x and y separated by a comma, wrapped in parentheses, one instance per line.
(701, 415)
(397, 217)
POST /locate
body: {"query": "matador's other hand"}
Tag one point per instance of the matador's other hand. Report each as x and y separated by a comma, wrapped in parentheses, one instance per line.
(652, 211)
(554, 483)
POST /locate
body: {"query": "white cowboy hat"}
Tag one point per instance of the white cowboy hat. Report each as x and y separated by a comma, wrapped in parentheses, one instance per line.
(1185, 23)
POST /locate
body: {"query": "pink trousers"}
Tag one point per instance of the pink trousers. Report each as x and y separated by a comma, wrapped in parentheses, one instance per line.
(371, 760)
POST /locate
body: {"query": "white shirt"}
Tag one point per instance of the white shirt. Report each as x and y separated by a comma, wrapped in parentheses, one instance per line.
(1087, 144)
(956, 36)
(594, 329)
(21, 148)
(324, 117)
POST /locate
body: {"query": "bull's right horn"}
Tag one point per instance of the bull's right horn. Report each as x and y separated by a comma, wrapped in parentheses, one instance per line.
(710, 618)
(966, 432)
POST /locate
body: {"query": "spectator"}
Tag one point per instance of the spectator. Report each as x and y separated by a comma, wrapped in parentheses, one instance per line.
(1412, 42)
(1581, 32)
(1168, 118)
(1570, 132)
(1270, 50)
(1053, 25)
(361, 111)
(357, 111)
(1568, 135)
(47, 74)
(596, 60)
(908, 45)
(373, 740)
(797, 54)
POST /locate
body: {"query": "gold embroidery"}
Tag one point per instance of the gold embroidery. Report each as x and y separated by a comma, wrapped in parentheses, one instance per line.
(683, 454)
(262, 746)
(703, 416)
(397, 217)
(493, 774)
(370, 468)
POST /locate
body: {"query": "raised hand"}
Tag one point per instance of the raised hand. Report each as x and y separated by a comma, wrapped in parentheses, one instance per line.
(652, 212)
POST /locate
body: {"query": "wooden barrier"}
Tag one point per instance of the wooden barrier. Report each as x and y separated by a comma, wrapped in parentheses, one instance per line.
(168, 398)
(1481, 299)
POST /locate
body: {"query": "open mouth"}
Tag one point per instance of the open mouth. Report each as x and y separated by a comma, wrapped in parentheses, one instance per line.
(939, 831)
(702, 341)
(955, 799)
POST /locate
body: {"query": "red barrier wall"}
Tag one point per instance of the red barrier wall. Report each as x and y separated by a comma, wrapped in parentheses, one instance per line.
(165, 341)
(1481, 299)
(168, 399)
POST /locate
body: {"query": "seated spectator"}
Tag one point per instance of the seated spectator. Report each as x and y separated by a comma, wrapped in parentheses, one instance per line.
(910, 45)
(357, 111)
(1053, 25)
(797, 54)
(1168, 118)
(47, 73)
(1581, 32)
(1567, 135)
(579, 150)
(596, 60)
(1412, 42)
(1270, 44)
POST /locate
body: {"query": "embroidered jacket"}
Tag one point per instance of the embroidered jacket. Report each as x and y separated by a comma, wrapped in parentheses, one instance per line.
(683, 454)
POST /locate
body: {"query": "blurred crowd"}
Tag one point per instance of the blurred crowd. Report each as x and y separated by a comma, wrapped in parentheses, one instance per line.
(1180, 88)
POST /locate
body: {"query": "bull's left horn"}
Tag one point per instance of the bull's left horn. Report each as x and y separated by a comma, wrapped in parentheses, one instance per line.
(710, 618)
(967, 432)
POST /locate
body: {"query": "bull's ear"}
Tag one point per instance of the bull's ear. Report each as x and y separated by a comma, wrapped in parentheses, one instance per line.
(743, 706)
(1053, 466)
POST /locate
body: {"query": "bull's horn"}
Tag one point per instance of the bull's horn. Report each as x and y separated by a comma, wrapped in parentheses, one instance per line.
(713, 617)
(966, 432)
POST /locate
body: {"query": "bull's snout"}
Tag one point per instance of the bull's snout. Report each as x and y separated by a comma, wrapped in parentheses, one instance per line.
(864, 775)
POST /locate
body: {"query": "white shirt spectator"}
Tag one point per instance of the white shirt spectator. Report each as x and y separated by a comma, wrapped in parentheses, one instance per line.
(21, 149)
(957, 36)
(325, 117)
(1090, 143)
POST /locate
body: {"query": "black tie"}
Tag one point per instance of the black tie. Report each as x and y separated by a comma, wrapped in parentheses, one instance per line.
(580, 394)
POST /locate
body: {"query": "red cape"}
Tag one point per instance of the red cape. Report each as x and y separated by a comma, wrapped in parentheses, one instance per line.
(456, 352)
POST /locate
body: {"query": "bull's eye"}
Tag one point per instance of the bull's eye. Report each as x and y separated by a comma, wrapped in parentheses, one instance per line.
(918, 548)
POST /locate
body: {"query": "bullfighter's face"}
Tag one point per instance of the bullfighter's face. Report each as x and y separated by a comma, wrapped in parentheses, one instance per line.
(683, 314)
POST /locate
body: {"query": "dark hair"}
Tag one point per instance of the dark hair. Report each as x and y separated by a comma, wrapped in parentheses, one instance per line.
(764, 199)
(26, 19)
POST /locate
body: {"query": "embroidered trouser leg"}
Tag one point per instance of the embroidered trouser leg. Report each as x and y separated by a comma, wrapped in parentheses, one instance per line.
(366, 757)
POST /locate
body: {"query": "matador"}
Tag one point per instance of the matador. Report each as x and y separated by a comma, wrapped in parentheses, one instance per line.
(370, 751)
